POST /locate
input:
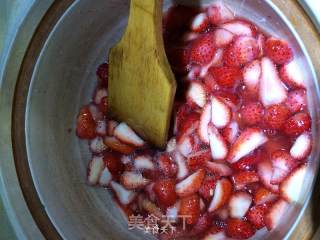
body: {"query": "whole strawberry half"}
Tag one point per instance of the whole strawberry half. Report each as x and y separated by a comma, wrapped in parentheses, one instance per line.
(252, 113)
(278, 50)
(276, 116)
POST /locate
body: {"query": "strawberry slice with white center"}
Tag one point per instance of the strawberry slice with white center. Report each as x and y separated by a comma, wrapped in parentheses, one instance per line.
(291, 74)
(216, 61)
(230, 133)
(220, 113)
(117, 146)
(133, 180)
(265, 172)
(198, 159)
(239, 27)
(222, 194)
(125, 196)
(194, 73)
(184, 145)
(251, 75)
(182, 165)
(125, 134)
(200, 23)
(263, 195)
(220, 169)
(205, 118)
(302, 146)
(143, 162)
(101, 128)
(191, 184)
(276, 212)
(111, 125)
(95, 168)
(100, 93)
(97, 145)
(249, 140)
(196, 94)
(222, 37)
(218, 146)
(171, 145)
(271, 83)
(105, 177)
(291, 187)
(296, 101)
(239, 204)
(219, 13)
(242, 179)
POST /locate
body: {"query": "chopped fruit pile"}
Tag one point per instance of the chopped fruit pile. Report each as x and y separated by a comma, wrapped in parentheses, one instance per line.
(241, 136)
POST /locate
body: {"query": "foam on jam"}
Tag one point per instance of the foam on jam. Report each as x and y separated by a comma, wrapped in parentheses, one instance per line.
(240, 137)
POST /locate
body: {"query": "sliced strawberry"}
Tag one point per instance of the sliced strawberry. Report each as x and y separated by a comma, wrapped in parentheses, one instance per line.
(219, 13)
(125, 196)
(220, 113)
(256, 214)
(297, 124)
(111, 125)
(99, 95)
(219, 169)
(226, 76)
(216, 61)
(125, 134)
(239, 204)
(184, 145)
(251, 75)
(101, 128)
(182, 166)
(179, 58)
(143, 162)
(240, 28)
(275, 213)
(97, 145)
(204, 121)
(263, 195)
(244, 178)
(230, 132)
(117, 146)
(167, 166)
(265, 172)
(302, 146)
(197, 94)
(276, 115)
(252, 113)
(222, 37)
(150, 192)
(113, 163)
(207, 188)
(231, 99)
(102, 73)
(95, 168)
(271, 83)
(190, 36)
(164, 190)
(95, 112)
(198, 159)
(243, 50)
(222, 213)
(222, 194)
(239, 229)
(247, 163)
(194, 73)
(292, 187)
(203, 49)
(249, 140)
(278, 50)
(261, 42)
(218, 146)
(200, 23)
(103, 105)
(105, 177)
(132, 180)
(190, 206)
(191, 184)
(204, 222)
(296, 101)
(171, 145)
(291, 74)
(86, 126)
(188, 125)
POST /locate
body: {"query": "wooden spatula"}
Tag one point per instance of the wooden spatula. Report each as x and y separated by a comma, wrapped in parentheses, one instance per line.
(141, 84)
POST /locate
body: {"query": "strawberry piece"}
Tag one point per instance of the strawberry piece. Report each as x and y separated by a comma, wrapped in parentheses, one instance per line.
(171, 145)
(222, 37)
(247, 163)
(102, 73)
(240, 28)
(275, 213)
(164, 190)
(265, 172)
(219, 169)
(184, 145)
(261, 42)
(230, 132)
(97, 145)
(249, 140)
(204, 222)
(207, 188)
(252, 113)
(226, 76)
(242, 179)
(239, 204)
(256, 214)
(113, 163)
(117, 146)
(216, 61)
(197, 94)
(105, 177)
(103, 105)
(191, 184)
(188, 124)
(99, 95)
(219, 13)
(220, 113)
(204, 121)
(251, 75)
(94, 170)
(200, 23)
(86, 126)
(282, 164)
(125, 134)
(218, 146)
(111, 125)
(229, 98)
(292, 75)
(179, 58)
(296, 101)
(198, 159)
(239, 229)
(190, 206)
(278, 50)
(182, 166)
(276, 116)
(124, 196)
(302, 146)
(143, 162)
(271, 83)
(222, 194)
(167, 166)
(263, 195)
(101, 128)
(132, 180)
(243, 50)
(291, 188)
(96, 114)
(297, 124)
(190, 36)
(203, 49)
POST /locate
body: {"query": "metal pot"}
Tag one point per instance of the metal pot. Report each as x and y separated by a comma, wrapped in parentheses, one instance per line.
(43, 164)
